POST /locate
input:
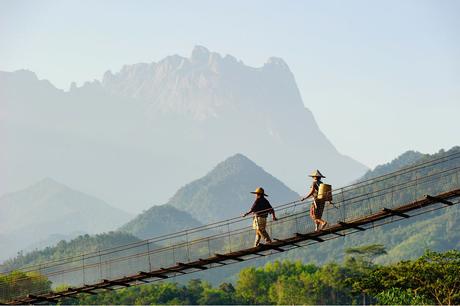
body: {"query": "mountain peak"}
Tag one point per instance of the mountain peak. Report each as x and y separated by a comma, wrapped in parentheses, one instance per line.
(238, 159)
(47, 184)
(49, 181)
(225, 191)
(200, 54)
(27, 74)
(205, 85)
(277, 62)
(237, 163)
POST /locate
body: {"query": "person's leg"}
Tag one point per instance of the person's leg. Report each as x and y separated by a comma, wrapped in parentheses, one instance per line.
(312, 212)
(266, 236)
(312, 216)
(319, 214)
(317, 223)
(262, 222)
(257, 241)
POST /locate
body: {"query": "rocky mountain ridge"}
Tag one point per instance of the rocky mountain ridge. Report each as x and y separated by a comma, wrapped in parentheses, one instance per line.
(138, 135)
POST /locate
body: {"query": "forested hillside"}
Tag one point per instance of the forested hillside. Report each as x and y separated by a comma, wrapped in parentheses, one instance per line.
(77, 246)
(406, 159)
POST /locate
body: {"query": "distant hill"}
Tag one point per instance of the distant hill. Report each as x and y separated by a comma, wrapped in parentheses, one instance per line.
(79, 245)
(225, 191)
(406, 159)
(159, 220)
(47, 208)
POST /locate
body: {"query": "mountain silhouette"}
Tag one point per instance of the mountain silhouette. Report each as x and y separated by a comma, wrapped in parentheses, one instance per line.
(140, 133)
(159, 220)
(47, 208)
(225, 191)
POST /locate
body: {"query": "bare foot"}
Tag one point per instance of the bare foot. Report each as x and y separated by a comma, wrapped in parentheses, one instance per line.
(324, 225)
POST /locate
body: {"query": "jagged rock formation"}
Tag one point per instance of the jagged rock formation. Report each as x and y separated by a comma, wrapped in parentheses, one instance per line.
(139, 134)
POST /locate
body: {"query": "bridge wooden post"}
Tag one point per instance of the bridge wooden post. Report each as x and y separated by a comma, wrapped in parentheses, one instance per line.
(296, 219)
(458, 182)
(187, 245)
(100, 264)
(229, 238)
(83, 264)
(148, 254)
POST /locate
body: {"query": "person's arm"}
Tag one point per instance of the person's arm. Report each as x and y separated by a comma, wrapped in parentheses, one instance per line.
(251, 210)
(273, 215)
(271, 211)
(312, 190)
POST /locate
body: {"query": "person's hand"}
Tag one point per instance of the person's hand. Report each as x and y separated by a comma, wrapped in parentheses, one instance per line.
(274, 218)
(243, 215)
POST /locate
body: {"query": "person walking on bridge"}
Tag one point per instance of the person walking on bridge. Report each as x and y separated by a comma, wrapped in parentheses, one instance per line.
(317, 207)
(260, 209)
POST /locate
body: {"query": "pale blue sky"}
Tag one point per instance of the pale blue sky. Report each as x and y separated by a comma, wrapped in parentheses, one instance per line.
(381, 77)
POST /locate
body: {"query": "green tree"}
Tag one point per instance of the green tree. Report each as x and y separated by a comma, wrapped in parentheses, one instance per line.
(18, 284)
(366, 253)
(434, 277)
(398, 296)
(253, 285)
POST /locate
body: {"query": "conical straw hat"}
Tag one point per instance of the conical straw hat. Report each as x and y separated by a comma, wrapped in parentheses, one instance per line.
(317, 174)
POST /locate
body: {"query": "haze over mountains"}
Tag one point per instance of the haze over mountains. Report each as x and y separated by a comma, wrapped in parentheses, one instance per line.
(221, 194)
(138, 135)
(48, 209)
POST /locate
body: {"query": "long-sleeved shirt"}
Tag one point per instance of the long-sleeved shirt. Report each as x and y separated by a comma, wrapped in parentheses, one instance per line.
(261, 207)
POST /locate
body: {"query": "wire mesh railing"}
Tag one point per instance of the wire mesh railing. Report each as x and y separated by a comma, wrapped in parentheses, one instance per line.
(350, 203)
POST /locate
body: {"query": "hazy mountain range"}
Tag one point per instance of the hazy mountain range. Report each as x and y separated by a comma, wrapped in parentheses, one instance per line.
(34, 216)
(139, 134)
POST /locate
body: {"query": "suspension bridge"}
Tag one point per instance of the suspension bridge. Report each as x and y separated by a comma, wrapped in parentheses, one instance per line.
(418, 189)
